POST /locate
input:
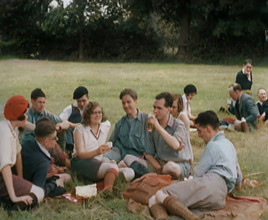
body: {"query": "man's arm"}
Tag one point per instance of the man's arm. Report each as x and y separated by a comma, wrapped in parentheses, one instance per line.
(172, 141)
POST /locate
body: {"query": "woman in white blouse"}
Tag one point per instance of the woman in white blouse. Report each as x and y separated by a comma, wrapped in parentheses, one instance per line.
(177, 110)
(89, 145)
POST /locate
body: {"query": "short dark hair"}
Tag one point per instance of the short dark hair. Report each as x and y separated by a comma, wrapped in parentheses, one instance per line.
(36, 93)
(44, 128)
(130, 92)
(168, 98)
(248, 61)
(236, 87)
(88, 110)
(190, 88)
(208, 118)
(180, 101)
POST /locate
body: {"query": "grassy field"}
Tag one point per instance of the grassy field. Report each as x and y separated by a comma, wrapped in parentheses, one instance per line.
(104, 82)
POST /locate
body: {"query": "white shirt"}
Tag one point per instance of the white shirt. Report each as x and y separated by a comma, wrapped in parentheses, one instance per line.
(92, 142)
(9, 144)
(186, 105)
(66, 113)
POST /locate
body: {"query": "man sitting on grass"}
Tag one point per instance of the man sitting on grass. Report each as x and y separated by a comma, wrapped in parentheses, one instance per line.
(216, 174)
(37, 159)
(37, 111)
(73, 113)
(170, 143)
(245, 109)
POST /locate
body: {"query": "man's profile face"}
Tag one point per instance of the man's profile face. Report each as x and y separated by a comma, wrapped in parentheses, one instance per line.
(233, 94)
(203, 133)
(160, 111)
(81, 102)
(39, 104)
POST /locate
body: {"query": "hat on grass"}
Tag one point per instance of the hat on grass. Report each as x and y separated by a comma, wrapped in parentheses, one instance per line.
(79, 92)
(15, 107)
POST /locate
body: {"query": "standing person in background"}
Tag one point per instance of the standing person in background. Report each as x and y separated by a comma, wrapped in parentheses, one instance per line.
(189, 92)
(262, 105)
(177, 110)
(73, 113)
(15, 191)
(244, 77)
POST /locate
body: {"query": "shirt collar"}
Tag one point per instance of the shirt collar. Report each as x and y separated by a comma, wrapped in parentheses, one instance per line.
(43, 149)
(171, 121)
(138, 117)
(218, 135)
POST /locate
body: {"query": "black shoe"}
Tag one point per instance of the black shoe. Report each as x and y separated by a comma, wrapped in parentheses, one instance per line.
(58, 191)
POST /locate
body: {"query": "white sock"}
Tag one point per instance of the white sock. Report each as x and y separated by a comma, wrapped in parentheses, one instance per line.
(38, 192)
(128, 173)
(152, 201)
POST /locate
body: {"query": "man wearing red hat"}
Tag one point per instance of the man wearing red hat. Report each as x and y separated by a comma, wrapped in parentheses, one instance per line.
(15, 192)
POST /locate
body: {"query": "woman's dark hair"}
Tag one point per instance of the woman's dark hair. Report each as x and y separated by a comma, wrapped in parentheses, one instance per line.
(88, 110)
(22, 117)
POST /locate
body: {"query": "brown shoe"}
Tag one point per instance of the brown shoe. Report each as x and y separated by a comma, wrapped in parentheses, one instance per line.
(175, 207)
(159, 212)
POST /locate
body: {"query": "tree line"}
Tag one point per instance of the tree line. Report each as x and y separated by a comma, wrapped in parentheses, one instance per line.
(134, 29)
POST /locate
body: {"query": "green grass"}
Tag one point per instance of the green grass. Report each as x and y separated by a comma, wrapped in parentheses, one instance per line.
(104, 82)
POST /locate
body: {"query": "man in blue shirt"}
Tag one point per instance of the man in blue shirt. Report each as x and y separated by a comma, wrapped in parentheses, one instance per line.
(130, 134)
(216, 174)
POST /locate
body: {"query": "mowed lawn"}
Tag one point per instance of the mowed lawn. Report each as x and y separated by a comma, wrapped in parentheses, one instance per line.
(104, 82)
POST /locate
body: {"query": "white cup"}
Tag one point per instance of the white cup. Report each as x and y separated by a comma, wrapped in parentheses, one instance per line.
(110, 144)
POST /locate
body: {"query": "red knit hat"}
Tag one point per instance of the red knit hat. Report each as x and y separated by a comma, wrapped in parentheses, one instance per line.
(15, 107)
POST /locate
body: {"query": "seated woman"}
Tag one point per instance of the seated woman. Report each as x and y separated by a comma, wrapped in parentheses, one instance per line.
(89, 145)
(15, 192)
(177, 110)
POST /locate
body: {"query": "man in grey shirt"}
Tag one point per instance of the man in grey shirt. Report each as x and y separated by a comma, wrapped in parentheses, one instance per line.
(170, 139)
